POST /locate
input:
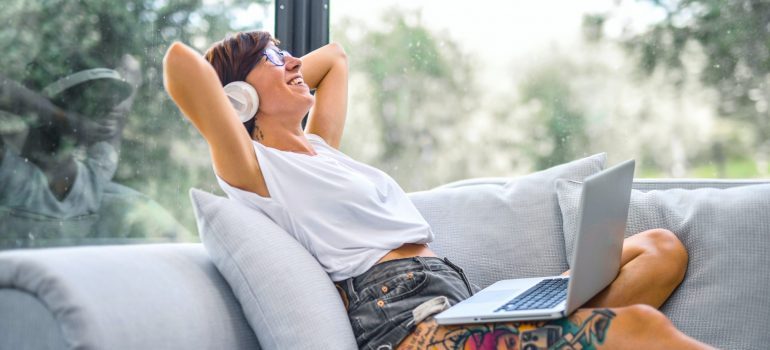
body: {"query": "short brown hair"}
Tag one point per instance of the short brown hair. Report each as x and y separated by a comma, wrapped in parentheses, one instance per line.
(235, 56)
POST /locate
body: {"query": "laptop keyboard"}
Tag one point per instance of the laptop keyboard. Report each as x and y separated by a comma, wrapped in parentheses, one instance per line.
(543, 295)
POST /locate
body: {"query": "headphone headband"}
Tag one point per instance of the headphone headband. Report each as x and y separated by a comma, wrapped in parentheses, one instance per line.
(71, 80)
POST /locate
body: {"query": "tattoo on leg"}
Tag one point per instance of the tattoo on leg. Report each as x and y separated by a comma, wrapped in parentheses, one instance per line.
(490, 336)
(562, 334)
(591, 331)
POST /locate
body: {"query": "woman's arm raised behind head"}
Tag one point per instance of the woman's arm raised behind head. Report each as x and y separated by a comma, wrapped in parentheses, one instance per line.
(195, 88)
(326, 70)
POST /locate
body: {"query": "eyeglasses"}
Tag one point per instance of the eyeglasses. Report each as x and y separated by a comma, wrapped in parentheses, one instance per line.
(277, 58)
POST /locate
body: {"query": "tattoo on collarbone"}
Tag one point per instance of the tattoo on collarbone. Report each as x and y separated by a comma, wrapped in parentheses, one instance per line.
(258, 132)
(561, 334)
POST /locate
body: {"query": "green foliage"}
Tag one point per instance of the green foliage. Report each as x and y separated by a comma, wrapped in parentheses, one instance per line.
(428, 114)
(734, 43)
(735, 168)
(421, 87)
(548, 87)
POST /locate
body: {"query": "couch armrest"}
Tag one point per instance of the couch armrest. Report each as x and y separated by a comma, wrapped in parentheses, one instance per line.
(152, 296)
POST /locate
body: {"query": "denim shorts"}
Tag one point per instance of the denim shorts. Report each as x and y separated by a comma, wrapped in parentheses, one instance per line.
(382, 302)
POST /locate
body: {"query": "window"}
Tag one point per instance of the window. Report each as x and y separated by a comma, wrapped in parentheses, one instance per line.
(441, 92)
(93, 150)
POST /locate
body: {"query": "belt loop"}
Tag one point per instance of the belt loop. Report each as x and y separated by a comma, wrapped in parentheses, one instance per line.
(422, 262)
(351, 290)
(462, 274)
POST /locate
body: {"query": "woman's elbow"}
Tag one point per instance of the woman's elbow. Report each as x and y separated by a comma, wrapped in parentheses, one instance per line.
(181, 59)
(181, 66)
(171, 64)
(339, 51)
(175, 58)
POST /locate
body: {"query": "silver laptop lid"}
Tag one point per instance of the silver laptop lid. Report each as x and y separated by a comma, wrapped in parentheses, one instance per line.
(601, 227)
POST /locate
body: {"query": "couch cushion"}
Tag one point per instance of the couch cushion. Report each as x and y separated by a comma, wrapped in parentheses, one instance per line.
(144, 296)
(508, 230)
(288, 299)
(26, 323)
(723, 299)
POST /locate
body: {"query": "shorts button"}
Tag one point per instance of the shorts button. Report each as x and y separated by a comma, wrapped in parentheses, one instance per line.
(384, 289)
(380, 303)
(410, 275)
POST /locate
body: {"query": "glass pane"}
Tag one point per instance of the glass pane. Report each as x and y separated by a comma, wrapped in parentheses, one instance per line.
(442, 91)
(93, 150)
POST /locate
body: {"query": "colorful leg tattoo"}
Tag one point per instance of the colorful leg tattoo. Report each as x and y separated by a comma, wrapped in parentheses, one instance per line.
(571, 334)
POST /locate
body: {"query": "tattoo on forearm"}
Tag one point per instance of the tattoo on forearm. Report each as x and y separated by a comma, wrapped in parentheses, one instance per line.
(559, 334)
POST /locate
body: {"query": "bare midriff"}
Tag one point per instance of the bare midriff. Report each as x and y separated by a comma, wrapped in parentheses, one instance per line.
(407, 250)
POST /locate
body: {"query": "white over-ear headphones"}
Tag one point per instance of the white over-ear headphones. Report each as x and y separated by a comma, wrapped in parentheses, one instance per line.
(244, 99)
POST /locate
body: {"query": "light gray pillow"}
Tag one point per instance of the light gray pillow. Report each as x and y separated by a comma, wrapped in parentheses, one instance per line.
(503, 231)
(287, 297)
(723, 299)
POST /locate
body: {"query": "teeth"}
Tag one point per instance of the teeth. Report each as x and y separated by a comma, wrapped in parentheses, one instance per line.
(296, 81)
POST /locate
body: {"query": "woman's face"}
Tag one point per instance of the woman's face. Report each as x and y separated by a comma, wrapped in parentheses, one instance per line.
(279, 90)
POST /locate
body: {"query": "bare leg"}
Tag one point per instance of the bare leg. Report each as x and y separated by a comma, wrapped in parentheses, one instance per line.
(652, 265)
(632, 327)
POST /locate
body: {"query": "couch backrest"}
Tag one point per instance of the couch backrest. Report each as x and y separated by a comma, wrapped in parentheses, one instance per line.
(639, 184)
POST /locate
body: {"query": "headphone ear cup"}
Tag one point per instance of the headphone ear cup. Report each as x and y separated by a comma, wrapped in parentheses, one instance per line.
(244, 99)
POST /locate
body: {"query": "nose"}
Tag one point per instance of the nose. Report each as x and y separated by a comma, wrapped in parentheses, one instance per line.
(292, 63)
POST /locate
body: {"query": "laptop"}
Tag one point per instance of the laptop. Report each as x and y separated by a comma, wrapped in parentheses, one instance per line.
(595, 262)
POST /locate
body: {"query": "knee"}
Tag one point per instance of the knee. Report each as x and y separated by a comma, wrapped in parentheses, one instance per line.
(666, 248)
(644, 320)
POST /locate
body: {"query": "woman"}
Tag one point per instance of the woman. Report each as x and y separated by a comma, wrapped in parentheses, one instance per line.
(374, 241)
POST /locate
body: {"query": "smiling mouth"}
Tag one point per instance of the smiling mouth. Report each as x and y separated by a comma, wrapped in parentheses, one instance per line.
(296, 81)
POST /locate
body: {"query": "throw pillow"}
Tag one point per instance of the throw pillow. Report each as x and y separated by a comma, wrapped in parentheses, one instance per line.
(503, 231)
(723, 298)
(287, 297)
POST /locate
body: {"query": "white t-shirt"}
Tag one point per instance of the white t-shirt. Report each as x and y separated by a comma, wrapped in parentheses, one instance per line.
(347, 214)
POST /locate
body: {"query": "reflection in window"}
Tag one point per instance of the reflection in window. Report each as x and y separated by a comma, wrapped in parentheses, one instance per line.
(91, 150)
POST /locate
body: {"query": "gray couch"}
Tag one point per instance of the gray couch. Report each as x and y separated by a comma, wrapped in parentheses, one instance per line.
(171, 296)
